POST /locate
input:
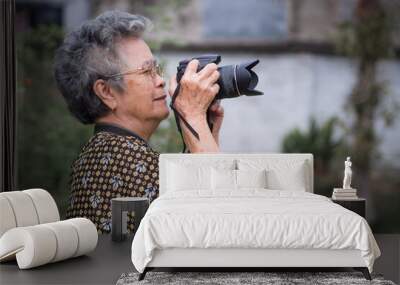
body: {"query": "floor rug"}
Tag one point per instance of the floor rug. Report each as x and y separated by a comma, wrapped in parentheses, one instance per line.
(242, 278)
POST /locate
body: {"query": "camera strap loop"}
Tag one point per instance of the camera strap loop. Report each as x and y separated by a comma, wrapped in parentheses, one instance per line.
(179, 117)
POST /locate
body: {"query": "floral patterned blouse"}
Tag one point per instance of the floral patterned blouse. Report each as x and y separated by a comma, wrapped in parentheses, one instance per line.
(114, 163)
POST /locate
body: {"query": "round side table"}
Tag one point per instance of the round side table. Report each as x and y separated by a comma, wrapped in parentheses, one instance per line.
(119, 215)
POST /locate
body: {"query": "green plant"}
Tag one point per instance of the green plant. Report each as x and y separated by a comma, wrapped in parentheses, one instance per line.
(323, 142)
(318, 139)
(48, 137)
(367, 39)
(167, 139)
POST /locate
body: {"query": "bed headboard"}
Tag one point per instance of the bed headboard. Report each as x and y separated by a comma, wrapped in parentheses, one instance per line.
(214, 158)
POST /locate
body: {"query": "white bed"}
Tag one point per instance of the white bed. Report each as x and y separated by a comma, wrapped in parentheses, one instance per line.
(201, 220)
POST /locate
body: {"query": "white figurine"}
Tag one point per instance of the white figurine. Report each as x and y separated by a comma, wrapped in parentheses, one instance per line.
(347, 174)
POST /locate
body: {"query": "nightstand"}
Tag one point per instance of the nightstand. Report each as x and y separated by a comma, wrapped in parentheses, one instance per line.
(355, 205)
(119, 214)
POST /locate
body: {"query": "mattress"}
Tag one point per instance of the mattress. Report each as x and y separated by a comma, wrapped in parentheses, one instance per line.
(251, 219)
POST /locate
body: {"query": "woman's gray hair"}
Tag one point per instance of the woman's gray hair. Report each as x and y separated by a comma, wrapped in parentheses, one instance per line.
(88, 54)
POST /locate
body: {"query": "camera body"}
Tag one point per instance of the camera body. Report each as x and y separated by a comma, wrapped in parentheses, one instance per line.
(203, 61)
(234, 80)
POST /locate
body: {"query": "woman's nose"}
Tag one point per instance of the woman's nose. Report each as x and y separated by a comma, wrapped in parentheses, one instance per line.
(160, 82)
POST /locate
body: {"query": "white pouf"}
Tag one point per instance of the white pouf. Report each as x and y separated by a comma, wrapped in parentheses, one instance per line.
(46, 207)
(31, 232)
(26, 208)
(87, 234)
(40, 244)
(32, 246)
(7, 218)
(24, 211)
(67, 240)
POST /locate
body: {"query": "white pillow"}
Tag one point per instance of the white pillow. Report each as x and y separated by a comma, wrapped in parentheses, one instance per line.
(282, 174)
(223, 179)
(183, 177)
(293, 180)
(251, 178)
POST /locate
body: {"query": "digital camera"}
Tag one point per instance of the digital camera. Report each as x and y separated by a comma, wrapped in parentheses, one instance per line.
(234, 81)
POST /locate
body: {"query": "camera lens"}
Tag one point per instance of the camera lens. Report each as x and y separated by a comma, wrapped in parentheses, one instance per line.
(237, 80)
(247, 79)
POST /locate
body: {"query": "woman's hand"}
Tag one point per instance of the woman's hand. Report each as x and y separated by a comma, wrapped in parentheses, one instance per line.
(216, 117)
(197, 90)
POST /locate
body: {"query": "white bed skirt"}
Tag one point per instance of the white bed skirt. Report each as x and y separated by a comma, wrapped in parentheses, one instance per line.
(226, 257)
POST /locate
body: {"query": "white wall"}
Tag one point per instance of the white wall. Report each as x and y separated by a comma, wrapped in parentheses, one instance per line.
(295, 86)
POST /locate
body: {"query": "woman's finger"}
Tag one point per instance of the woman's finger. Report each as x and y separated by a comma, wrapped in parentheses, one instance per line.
(207, 71)
(213, 77)
(191, 67)
(213, 107)
(172, 85)
(215, 88)
(220, 110)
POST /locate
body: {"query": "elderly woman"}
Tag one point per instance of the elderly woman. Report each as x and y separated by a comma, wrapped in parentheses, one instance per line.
(109, 77)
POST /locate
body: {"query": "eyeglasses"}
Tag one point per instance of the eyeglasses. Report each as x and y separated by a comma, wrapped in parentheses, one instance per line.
(154, 69)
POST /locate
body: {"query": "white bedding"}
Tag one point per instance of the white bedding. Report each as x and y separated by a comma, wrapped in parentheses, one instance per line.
(251, 218)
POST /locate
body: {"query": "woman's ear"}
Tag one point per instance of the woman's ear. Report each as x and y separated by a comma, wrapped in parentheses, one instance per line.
(106, 94)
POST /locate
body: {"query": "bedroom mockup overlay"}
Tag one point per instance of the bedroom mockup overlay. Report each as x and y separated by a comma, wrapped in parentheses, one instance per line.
(248, 210)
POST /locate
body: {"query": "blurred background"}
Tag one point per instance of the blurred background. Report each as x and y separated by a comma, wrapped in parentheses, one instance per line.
(329, 69)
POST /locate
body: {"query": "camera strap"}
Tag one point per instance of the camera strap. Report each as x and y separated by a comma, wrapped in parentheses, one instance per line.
(179, 117)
